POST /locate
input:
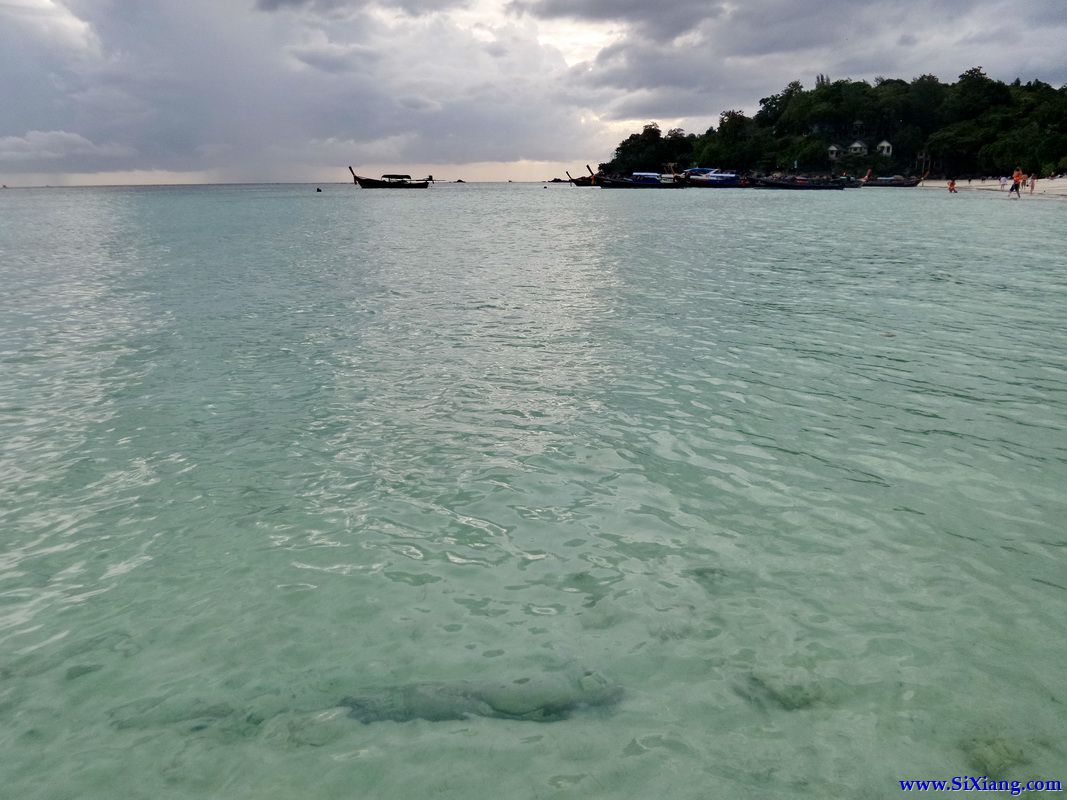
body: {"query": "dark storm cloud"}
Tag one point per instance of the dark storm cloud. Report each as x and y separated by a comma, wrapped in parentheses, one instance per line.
(758, 27)
(656, 20)
(681, 16)
(332, 7)
(644, 105)
(1039, 12)
(757, 47)
(335, 58)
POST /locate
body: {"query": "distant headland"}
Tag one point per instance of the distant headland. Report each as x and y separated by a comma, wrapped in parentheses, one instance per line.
(975, 126)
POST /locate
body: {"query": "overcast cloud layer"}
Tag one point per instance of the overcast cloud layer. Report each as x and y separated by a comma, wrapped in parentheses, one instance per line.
(100, 90)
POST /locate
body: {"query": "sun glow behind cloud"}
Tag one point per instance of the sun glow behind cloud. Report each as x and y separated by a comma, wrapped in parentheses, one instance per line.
(53, 22)
(578, 42)
(575, 41)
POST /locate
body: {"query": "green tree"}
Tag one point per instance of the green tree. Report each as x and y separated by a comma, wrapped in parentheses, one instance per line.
(736, 144)
(973, 95)
(976, 125)
(890, 106)
(651, 151)
(926, 96)
(772, 108)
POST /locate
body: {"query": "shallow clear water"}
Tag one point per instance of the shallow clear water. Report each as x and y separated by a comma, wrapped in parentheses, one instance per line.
(787, 467)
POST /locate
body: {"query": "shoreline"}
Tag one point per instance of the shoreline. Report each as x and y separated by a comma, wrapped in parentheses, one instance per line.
(1046, 187)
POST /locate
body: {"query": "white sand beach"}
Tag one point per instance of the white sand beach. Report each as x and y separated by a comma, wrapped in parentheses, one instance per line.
(1049, 187)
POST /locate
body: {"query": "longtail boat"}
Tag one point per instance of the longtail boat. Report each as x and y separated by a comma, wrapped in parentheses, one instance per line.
(708, 178)
(584, 180)
(794, 183)
(642, 180)
(390, 181)
(891, 180)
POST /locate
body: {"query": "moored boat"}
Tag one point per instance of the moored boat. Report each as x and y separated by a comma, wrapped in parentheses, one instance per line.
(712, 178)
(390, 181)
(848, 182)
(891, 180)
(584, 180)
(795, 183)
(642, 180)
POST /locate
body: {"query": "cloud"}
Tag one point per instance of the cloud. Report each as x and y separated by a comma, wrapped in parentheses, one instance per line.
(41, 149)
(695, 59)
(340, 8)
(50, 22)
(658, 21)
(336, 58)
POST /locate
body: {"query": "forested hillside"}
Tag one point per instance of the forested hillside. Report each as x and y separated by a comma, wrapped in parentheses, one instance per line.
(975, 126)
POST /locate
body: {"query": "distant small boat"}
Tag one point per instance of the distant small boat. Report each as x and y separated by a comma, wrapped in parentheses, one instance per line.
(390, 181)
(642, 180)
(710, 178)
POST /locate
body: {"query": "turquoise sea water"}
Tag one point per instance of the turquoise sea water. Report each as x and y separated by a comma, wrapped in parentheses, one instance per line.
(789, 468)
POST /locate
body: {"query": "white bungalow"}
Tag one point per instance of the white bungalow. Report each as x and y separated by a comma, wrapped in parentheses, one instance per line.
(857, 148)
(885, 148)
(834, 152)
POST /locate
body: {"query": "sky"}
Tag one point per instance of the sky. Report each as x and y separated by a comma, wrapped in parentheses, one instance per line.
(203, 91)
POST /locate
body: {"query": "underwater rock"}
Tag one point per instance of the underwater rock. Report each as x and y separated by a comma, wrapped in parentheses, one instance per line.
(994, 757)
(765, 691)
(311, 730)
(152, 711)
(81, 669)
(542, 699)
(710, 579)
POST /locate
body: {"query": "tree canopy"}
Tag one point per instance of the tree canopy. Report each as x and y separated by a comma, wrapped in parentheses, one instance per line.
(975, 126)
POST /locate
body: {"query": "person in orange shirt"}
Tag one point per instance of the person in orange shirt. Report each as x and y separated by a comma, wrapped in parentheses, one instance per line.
(1016, 182)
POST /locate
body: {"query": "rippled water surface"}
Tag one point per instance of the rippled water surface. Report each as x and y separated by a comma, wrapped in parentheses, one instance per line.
(788, 468)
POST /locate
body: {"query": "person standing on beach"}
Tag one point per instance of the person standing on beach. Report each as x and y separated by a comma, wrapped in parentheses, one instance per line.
(1033, 182)
(1016, 182)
